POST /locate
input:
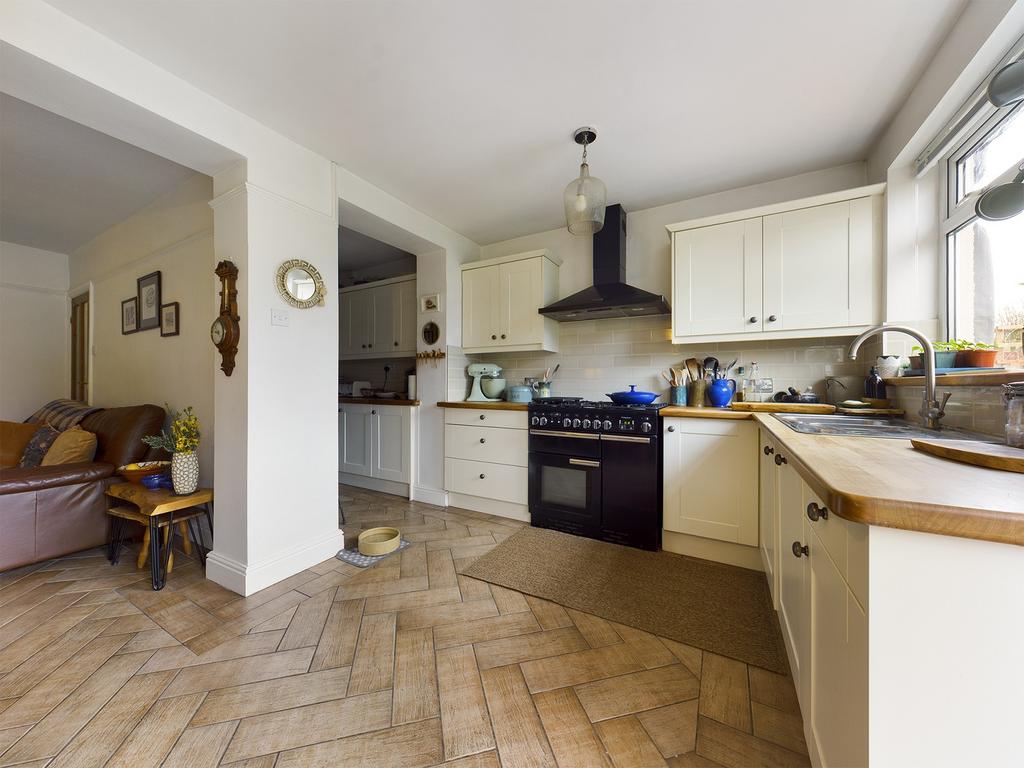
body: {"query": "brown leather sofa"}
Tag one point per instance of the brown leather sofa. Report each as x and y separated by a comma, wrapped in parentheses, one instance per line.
(46, 512)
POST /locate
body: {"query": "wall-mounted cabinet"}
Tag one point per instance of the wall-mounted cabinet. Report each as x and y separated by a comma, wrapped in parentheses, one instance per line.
(378, 319)
(500, 299)
(812, 267)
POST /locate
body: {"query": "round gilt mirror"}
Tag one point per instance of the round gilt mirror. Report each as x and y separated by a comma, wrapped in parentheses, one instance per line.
(300, 284)
(431, 333)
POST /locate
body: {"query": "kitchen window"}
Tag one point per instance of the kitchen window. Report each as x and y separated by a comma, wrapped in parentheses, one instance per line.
(984, 259)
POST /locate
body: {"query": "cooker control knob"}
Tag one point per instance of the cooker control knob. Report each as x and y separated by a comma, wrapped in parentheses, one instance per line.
(566, 423)
(535, 420)
(576, 423)
(586, 423)
(607, 424)
(543, 421)
(597, 423)
(646, 426)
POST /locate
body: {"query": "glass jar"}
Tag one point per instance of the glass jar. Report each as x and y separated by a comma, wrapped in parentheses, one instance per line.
(1014, 395)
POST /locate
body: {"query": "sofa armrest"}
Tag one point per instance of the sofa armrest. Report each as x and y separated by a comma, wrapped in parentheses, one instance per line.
(18, 480)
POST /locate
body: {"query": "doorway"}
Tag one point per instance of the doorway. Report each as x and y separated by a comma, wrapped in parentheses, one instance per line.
(80, 347)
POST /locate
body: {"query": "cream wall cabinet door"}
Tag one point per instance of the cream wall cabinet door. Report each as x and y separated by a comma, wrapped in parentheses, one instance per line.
(500, 299)
(716, 279)
(769, 510)
(817, 265)
(811, 267)
(355, 447)
(710, 479)
(378, 319)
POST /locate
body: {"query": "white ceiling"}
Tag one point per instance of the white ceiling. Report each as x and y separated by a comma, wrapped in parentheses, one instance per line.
(358, 251)
(464, 109)
(62, 184)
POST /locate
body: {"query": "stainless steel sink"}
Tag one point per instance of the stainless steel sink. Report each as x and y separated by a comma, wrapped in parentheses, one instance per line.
(872, 426)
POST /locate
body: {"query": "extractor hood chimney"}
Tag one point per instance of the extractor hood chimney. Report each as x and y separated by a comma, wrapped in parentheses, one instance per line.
(609, 296)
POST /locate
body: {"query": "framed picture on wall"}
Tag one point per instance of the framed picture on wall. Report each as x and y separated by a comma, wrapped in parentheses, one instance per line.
(149, 301)
(130, 315)
(169, 319)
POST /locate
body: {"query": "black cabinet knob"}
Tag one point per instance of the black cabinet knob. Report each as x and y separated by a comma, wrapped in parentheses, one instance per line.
(772, 318)
(482, 417)
(481, 475)
(503, 335)
(768, 450)
(815, 513)
(493, 336)
(801, 549)
(752, 319)
(780, 459)
(483, 440)
(671, 429)
(396, 343)
(373, 413)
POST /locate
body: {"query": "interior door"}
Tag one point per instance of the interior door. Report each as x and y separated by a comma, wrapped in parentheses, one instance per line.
(716, 273)
(807, 268)
(80, 348)
(522, 292)
(480, 310)
(391, 430)
(355, 450)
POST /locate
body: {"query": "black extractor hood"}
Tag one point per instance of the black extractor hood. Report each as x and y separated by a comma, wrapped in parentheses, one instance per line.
(609, 296)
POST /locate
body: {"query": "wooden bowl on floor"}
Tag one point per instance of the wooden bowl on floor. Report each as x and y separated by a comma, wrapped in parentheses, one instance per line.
(134, 473)
(379, 541)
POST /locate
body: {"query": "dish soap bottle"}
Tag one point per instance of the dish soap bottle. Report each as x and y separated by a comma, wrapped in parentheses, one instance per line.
(874, 386)
(750, 393)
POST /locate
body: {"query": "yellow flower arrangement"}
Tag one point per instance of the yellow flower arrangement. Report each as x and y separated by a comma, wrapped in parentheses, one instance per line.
(184, 436)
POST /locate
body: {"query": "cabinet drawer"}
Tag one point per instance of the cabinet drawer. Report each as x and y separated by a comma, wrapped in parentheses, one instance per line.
(490, 444)
(485, 417)
(492, 481)
(831, 531)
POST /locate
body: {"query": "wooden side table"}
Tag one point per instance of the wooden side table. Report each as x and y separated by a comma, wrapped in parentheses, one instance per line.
(155, 510)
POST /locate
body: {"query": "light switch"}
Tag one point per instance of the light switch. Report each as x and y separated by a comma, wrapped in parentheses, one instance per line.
(279, 317)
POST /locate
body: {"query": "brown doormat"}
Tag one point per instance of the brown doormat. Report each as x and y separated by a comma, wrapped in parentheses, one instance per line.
(720, 608)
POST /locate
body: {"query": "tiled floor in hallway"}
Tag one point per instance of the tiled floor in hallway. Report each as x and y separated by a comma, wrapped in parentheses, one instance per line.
(405, 664)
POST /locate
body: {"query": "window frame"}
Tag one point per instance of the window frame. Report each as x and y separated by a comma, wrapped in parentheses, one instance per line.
(956, 216)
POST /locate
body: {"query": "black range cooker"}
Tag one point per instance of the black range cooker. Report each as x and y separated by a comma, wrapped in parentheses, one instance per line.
(595, 470)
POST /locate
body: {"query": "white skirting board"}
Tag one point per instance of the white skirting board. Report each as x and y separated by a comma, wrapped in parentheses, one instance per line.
(247, 579)
(435, 496)
(712, 549)
(490, 506)
(374, 484)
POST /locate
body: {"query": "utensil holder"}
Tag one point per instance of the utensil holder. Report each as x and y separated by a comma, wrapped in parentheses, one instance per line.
(677, 395)
(696, 392)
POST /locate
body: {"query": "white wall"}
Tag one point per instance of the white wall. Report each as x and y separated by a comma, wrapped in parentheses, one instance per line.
(172, 235)
(34, 311)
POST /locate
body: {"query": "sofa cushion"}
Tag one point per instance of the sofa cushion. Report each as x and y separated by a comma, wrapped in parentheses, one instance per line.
(13, 439)
(119, 432)
(72, 446)
(38, 445)
(62, 414)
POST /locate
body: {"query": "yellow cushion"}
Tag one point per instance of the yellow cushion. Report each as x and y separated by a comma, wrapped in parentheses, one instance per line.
(14, 436)
(72, 446)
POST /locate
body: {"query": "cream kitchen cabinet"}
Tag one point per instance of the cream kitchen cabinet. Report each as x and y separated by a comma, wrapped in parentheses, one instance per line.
(500, 299)
(378, 319)
(768, 498)
(375, 446)
(821, 563)
(485, 461)
(710, 485)
(812, 267)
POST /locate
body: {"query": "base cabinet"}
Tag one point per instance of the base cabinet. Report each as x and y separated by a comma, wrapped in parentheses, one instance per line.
(375, 446)
(821, 562)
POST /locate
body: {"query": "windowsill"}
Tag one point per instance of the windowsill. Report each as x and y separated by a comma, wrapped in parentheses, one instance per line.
(990, 379)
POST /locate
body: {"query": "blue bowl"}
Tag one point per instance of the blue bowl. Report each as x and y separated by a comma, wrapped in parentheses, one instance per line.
(633, 397)
(154, 482)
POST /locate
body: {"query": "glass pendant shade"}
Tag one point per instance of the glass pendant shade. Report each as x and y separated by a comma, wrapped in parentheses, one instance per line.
(585, 200)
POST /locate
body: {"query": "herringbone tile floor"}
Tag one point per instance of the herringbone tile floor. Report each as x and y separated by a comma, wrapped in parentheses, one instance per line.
(406, 664)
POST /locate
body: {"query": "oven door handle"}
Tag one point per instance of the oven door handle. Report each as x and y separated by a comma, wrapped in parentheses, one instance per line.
(585, 463)
(626, 439)
(575, 435)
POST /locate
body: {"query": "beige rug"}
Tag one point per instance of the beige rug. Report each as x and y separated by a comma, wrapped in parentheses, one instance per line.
(716, 607)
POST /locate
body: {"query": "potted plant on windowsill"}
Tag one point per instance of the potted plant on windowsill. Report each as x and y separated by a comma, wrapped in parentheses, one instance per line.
(945, 355)
(975, 354)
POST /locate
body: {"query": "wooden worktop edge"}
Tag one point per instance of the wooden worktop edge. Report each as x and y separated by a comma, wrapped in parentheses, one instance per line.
(499, 406)
(377, 401)
(946, 520)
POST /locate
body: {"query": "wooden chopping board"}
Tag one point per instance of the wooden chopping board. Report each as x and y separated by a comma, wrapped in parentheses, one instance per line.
(870, 411)
(990, 455)
(784, 407)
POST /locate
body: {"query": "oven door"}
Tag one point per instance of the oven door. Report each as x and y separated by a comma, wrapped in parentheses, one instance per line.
(565, 487)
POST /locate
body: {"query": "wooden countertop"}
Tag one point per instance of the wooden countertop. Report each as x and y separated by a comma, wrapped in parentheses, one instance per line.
(377, 401)
(500, 405)
(744, 410)
(885, 482)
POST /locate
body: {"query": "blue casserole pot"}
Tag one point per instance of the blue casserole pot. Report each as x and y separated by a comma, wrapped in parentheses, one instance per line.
(633, 397)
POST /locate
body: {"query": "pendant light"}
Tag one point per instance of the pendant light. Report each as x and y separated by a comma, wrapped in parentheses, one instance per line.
(585, 196)
(1004, 201)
